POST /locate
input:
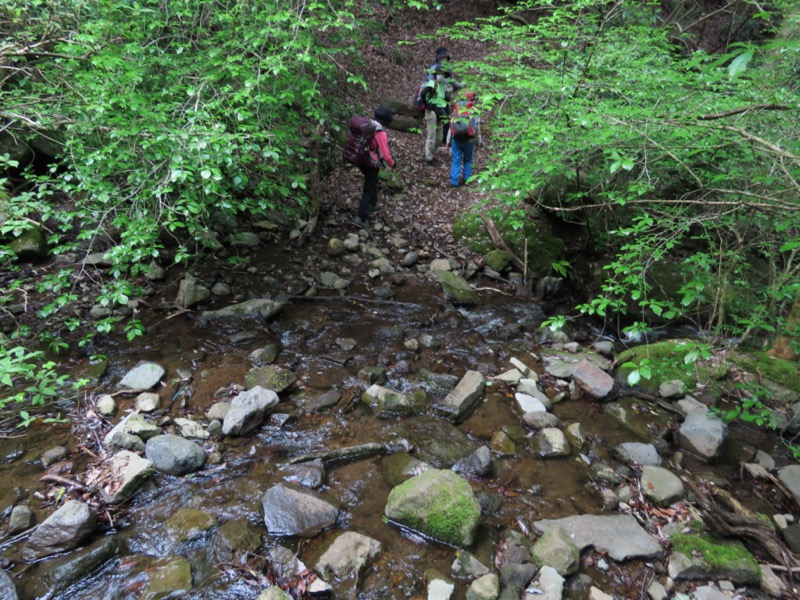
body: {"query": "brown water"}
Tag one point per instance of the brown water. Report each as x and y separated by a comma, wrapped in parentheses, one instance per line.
(309, 333)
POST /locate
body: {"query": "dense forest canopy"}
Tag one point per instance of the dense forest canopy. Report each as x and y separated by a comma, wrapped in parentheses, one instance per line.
(677, 149)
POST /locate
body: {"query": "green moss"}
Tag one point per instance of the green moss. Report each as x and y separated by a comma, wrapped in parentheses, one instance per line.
(450, 517)
(778, 370)
(718, 554)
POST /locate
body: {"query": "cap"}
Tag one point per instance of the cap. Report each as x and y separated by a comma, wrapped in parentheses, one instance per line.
(383, 115)
(441, 52)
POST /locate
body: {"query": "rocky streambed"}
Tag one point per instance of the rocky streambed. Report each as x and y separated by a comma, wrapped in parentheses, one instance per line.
(388, 430)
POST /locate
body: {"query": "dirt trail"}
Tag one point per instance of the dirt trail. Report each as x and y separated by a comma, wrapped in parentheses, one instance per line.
(428, 205)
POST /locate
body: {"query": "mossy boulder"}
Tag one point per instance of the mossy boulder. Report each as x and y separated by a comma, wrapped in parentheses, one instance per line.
(438, 504)
(701, 556)
(30, 246)
(780, 376)
(667, 362)
(457, 289)
(498, 260)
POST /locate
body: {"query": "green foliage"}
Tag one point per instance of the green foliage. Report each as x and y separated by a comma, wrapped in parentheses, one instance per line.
(669, 158)
(26, 377)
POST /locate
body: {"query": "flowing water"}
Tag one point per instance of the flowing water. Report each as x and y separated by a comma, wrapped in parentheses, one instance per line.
(325, 341)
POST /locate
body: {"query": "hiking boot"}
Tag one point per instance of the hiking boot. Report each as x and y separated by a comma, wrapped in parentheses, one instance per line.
(432, 162)
(362, 223)
(374, 208)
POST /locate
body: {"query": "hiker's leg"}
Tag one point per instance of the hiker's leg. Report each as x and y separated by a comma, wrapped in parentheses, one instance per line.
(469, 150)
(369, 194)
(431, 134)
(455, 165)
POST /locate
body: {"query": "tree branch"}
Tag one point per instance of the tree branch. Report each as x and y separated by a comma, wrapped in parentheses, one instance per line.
(743, 109)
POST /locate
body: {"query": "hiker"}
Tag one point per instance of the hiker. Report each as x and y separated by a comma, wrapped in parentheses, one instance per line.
(379, 149)
(437, 93)
(463, 135)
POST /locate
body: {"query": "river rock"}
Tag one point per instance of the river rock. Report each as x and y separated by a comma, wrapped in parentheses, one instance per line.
(790, 477)
(541, 420)
(247, 411)
(702, 434)
(123, 475)
(106, 405)
(439, 504)
(273, 593)
(63, 530)
(402, 466)
(437, 383)
(165, 577)
(234, 540)
(529, 404)
(270, 377)
(593, 380)
(174, 455)
(143, 376)
(647, 425)
(484, 588)
(439, 586)
(134, 424)
(631, 453)
(191, 429)
(187, 524)
(672, 390)
(8, 590)
(386, 402)
(310, 474)
(661, 486)
(437, 441)
(683, 567)
(467, 566)
(54, 455)
(476, 465)
(21, 519)
(63, 571)
(147, 402)
(620, 536)
(264, 355)
(348, 556)
(456, 288)
(550, 443)
(250, 310)
(459, 402)
(555, 549)
(548, 585)
(292, 510)
(191, 293)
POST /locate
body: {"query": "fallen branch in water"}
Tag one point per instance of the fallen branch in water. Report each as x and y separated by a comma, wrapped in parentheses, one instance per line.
(347, 453)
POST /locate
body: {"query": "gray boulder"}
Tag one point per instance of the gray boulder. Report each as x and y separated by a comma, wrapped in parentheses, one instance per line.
(174, 455)
(123, 475)
(456, 288)
(459, 402)
(143, 376)
(63, 530)
(593, 380)
(251, 310)
(550, 443)
(661, 486)
(247, 411)
(348, 556)
(555, 549)
(702, 434)
(291, 510)
(631, 453)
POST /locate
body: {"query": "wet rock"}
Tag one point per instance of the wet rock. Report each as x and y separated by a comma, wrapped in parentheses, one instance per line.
(258, 308)
(21, 519)
(548, 585)
(685, 567)
(576, 436)
(123, 476)
(702, 434)
(166, 577)
(632, 453)
(401, 466)
(645, 422)
(310, 474)
(661, 486)
(541, 420)
(386, 402)
(550, 443)
(191, 293)
(467, 566)
(555, 549)
(456, 288)
(143, 376)
(147, 402)
(437, 441)
(218, 410)
(63, 530)
(234, 540)
(593, 380)
(517, 576)
(437, 383)
(292, 510)
(248, 409)
(672, 389)
(372, 375)
(192, 429)
(510, 377)
(125, 441)
(106, 405)
(459, 403)
(708, 592)
(8, 590)
(263, 356)
(530, 386)
(335, 247)
(320, 402)
(530, 404)
(190, 523)
(604, 347)
(174, 455)
(273, 593)
(54, 455)
(790, 477)
(502, 444)
(439, 504)
(620, 536)
(439, 586)
(134, 424)
(270, 377)
(348, 556)
(484, 588)
(476, 465)
(64, 571)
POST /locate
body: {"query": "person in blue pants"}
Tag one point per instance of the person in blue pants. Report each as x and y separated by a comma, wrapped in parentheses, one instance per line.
(462, 137)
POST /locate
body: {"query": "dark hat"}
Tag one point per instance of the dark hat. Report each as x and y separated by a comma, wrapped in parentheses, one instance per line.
(441, 52)
(383, 115)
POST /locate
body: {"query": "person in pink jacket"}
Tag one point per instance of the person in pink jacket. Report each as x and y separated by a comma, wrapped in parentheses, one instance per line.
(382, 155)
